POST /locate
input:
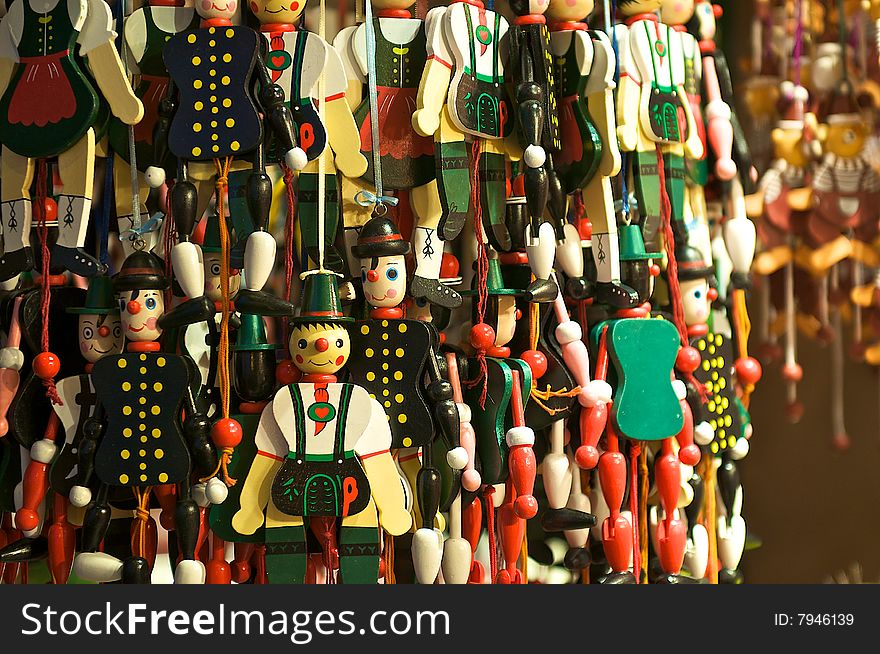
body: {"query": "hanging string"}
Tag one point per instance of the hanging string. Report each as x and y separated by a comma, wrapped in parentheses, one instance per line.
(709, 515)
(46, 284)
(482, 269)
(221, 185)
(142, 518)
(635, 450)
(610, 7)
(289, 239)
(643, 507)
(170, 239)
(743, 328)
(672, 269)
(322, 161)
(373, 93)
(797, 53)
(136, 222)
(488, 492)
(390, 579)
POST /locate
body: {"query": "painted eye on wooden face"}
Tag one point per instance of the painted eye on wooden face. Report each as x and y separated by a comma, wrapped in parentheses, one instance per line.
(302, 344)
(88, 333)
(150, 303)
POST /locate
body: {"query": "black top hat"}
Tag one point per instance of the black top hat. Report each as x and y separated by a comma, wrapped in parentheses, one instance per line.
(141, 271)
(379, 238)
(691, 264)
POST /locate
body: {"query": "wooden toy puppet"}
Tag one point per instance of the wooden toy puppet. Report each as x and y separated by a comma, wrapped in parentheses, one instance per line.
(845, 189)
(406, 158)
(305, 66)
(398, 354)
(654, 118)
(209, 115)
(47, 109)
(54, 459)
(137, 437)
(463, 95)
(147, 30)
(589, 156)
(322, 454)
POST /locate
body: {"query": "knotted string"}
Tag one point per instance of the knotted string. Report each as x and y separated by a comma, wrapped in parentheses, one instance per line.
(482, 268)
(142, 518)
(289, 238)
(539, 397)
(46, 285)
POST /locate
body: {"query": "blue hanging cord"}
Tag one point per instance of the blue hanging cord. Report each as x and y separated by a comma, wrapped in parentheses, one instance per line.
(614, 44)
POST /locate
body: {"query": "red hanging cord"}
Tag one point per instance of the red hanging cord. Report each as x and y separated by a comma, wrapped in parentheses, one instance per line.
(46, 283)
(482, 267)
(635, 451)
(490, 527)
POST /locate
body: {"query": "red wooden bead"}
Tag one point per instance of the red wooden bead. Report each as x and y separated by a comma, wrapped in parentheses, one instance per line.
(448, 266)
(748, 370)
(792, 372)
(794, 411)
(768, 351)
(50, 207)
(226, 432)
(536, 361)
(482, 336)
(689, 455)
(525, 507)
(26, 519)
(841, 441)
(46, 365)
(586, 457)
(287, 373)
(688, 359)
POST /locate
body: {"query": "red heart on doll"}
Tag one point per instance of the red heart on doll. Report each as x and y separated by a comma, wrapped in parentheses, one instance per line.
(322, 412)
(278, 61)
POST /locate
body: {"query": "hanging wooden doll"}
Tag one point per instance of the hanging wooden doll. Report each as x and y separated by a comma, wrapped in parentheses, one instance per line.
(654, 118)
(47, 109)
(209, 115)
(137, 437)
(397, 355)
(305, 66)
(406, 157)
(322, 454)
(584, 70)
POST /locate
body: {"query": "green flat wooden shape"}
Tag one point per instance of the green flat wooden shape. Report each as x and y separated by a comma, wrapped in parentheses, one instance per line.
(221, 514)
(643, 352)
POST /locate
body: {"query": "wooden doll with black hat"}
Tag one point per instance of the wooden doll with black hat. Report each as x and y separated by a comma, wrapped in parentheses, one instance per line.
(209, 114)
(323, 456)
(398, 355)
(497, 392)
(137, 437)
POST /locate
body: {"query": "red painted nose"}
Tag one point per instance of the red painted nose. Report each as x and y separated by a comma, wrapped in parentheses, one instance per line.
(104, 331)
(322, 345)
(372, 276)
(133, 307)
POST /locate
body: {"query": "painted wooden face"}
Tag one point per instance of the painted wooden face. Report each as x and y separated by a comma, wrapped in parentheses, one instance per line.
(506, 321)
(140, 312)
(569, 10)
(385, 283)
(633, 7)
(706, 15)
(224, 9)
(319, 348)
(213, 279)
(846, 139)
(277, 11)
(695, 301)
(677, 12)
(99, 335)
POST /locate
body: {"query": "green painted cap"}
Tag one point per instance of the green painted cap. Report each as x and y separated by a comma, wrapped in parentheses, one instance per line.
(320, 299)
(99, 298)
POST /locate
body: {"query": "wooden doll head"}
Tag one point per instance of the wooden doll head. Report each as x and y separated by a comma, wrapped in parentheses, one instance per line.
(139, 287)
(501, 315)
(693, 278)
(634, 7)
(676, 12)
(705, 13)
(99, 335)
(384, 280)
(571, 11)
(278, 11)
(318, 347)
(392, 4)
(529, 7)
(213, 280)
(224, 9)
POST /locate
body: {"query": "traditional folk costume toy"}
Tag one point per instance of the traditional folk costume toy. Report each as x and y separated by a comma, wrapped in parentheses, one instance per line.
(463, 96)
(405, 157)
(53, 463)
(322, 453)
(210, 115)
(47, 109)
(306, 67)
(654, 118)
(584, 67)
(398, 354)
(497, 394)
(146, 32)
(137, 437)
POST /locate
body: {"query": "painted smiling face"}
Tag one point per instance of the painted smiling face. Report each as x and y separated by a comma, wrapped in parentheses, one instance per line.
(384, 280)
(321, 348)
(695, 301)
(569, 10)
(140, 312)
(213, 9)
(99, 335)
(213, 280)
(677, 12)
(277, 11)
